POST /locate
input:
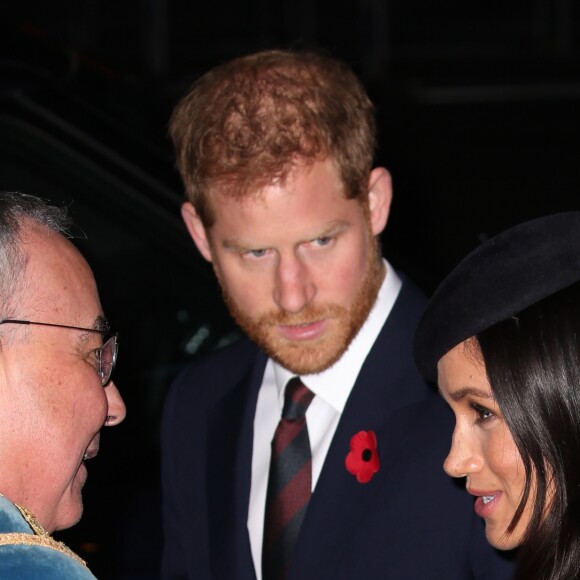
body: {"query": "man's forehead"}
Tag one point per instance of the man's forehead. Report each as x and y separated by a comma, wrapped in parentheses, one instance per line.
(57, 279)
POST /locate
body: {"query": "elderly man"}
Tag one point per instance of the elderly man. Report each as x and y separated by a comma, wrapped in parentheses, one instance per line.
(56, 393)
(314, 449)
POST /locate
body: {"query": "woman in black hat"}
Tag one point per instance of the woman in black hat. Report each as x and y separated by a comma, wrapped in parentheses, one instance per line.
(501, 336)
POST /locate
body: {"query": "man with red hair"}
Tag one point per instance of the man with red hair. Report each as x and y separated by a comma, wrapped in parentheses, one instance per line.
(339, 474)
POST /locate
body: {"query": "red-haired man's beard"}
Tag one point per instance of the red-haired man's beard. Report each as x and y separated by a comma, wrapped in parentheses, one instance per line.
(342, 325)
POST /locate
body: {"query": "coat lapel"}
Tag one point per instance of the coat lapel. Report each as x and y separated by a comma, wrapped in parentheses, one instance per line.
(229, 476)
(380, 393)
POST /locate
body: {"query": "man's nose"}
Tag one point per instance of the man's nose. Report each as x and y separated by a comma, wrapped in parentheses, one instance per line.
(294, 287)
(117, 410)
(464, 457)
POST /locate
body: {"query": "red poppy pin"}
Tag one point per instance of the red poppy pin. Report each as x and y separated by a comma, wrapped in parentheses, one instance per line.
(363, 457)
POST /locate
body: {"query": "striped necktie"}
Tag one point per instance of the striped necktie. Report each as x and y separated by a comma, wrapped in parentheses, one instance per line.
(289, 483)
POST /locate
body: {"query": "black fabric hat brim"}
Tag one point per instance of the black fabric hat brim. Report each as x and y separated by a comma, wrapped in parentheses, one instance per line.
(500, 278)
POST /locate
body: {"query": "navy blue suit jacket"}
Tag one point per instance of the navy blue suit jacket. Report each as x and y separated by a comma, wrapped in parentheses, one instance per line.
(411, 521)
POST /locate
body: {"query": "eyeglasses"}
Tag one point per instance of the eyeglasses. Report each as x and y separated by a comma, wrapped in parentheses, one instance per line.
(106, 354)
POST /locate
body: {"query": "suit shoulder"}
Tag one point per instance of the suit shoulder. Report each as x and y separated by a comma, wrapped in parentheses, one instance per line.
(213, 374)
(231, 358)
(411, 296)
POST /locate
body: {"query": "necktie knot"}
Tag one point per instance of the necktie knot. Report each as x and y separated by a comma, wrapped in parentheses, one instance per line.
(297, 398)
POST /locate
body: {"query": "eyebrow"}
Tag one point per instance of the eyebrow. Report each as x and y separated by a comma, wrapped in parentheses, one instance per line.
(335, 227)
(101, 324)
(236, 245)
(460, 394)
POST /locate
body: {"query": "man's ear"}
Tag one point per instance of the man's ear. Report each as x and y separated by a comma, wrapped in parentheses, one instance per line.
(196, 229)
(380, 195)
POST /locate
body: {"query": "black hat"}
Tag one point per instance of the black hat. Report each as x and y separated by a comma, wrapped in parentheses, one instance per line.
(500, 278)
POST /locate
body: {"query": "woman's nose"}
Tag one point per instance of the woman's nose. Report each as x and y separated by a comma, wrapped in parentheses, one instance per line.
(463, 458)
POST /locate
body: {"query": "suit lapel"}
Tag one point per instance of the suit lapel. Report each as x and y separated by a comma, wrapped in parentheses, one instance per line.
(229, 465)
(381, 390)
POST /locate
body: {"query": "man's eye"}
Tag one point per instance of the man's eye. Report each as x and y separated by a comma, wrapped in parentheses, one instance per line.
(323, 240)
(260, 253)
(93, 357)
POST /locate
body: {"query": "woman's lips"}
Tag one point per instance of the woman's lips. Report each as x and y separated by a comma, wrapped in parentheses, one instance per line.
(486, 502)
(300, 332)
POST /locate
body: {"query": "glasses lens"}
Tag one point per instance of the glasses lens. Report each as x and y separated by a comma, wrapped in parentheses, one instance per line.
(108, 359)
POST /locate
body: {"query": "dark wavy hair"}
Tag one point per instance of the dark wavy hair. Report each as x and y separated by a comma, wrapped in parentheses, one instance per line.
(533, 365)
(249, 121)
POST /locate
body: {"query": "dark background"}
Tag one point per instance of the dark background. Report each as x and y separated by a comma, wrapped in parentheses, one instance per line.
(479, 113)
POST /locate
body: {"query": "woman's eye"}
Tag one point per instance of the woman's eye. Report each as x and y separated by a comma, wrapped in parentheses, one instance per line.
(483, 414)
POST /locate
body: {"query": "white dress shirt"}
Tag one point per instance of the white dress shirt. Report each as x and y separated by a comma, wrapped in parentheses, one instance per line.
(332, 388)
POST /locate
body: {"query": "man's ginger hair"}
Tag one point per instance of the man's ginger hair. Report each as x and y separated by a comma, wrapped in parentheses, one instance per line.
(245, 124)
